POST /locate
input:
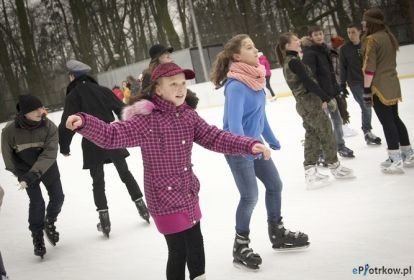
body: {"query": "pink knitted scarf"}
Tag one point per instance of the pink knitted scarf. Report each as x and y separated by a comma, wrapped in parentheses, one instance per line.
(253, 77)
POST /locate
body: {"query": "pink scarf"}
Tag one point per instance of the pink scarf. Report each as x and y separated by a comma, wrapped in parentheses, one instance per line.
(253, 77)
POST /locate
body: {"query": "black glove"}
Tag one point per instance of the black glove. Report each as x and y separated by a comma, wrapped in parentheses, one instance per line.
(342, 108)
(30, 178)
(344, 90)
(367, 96)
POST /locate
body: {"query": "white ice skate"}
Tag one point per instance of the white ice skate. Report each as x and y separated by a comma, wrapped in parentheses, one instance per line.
(392, 167)
(315, 180)
(394, 163)
(407, 155)
(348, 131)
(341, 172)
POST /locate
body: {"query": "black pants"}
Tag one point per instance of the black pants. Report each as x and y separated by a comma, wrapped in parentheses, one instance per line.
(185, 247)
(394, 129)
(51, 180)
(98, 178)
(2, 269)
(268, 86)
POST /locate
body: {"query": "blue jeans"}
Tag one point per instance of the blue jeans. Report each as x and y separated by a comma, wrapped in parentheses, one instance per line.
(245, 172)
(337, 128)
(366, 112)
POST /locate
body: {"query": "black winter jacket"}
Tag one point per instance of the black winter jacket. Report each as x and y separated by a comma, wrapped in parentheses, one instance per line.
(85, 95)
(318, 58)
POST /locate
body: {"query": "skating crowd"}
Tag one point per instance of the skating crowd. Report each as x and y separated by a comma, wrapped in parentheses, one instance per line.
(157, 112)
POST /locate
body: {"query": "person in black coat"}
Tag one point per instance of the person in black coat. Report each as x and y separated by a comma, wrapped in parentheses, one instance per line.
(317, 56)
(84, 94)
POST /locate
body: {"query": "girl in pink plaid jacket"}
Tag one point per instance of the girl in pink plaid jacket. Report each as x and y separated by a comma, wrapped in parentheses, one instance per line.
(165, 127)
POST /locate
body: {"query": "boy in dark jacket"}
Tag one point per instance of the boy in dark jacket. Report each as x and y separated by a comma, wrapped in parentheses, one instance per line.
(29, 145)
(318, 57)
(351, 72)
(84, 94)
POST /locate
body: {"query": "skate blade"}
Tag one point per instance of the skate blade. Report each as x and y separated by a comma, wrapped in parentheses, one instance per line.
(292, 249)
(240, 265)
(346, 177)
(314, 186)
(393, 171)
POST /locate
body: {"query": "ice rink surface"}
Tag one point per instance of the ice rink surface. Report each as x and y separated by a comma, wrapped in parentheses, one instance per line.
(364, 221)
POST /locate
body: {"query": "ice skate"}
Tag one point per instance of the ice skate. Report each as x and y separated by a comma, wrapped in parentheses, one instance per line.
(142, 209)
(314, 179)
(243, 256)
(346, 152)
(394, 163)
(50, 229)
(348, 131)
(39, 244)
(407, 155)
(341, 172)
(105, 224)
(372, 139)
(284, 240)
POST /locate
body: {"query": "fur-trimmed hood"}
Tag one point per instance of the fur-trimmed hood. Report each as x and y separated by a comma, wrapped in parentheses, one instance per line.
(142, 107)
(306, 41)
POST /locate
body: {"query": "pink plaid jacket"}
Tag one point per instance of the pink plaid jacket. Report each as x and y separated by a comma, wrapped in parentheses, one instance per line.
(166, 134)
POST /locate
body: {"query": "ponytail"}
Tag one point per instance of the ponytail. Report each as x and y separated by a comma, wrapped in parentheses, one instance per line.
(281, 55)
(219, 70)
(281, 46)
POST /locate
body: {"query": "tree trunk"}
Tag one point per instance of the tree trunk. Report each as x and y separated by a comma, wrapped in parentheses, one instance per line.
(181, 11)
(342, 18)
(162, 10)
(148, 22)
(158, 22)
(83, 33)
(11, 80)
(33, 72)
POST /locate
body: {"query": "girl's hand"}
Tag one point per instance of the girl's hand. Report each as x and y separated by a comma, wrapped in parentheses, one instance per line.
(74, 122)
(259, 148)
(324, 106)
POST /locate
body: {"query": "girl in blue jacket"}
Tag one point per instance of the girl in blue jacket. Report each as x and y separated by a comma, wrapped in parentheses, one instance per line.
(237, 68)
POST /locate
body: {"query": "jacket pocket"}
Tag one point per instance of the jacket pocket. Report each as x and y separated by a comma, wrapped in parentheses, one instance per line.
(170, 193)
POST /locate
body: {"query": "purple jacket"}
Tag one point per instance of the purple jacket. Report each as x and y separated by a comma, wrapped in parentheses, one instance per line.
(166, 134)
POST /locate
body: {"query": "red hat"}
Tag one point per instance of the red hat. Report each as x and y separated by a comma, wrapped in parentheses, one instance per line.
(170, 69)
(337, 41)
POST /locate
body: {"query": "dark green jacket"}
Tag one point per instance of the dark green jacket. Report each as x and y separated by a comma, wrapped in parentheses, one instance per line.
(29, 149)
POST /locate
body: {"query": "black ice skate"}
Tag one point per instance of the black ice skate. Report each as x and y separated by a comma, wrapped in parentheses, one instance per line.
(372, 139)
(346, 152)
(104, 224)
(142, 209)
(50, 229)
(39, 244)
(283, 239)
(243, 255)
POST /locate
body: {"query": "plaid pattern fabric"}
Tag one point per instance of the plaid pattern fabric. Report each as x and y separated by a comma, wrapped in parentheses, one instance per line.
(166, 138)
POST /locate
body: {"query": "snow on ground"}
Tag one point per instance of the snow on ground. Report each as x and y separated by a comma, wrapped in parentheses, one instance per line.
(368, 220)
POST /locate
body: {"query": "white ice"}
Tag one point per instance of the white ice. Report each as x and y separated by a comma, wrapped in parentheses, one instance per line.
(368, 220)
